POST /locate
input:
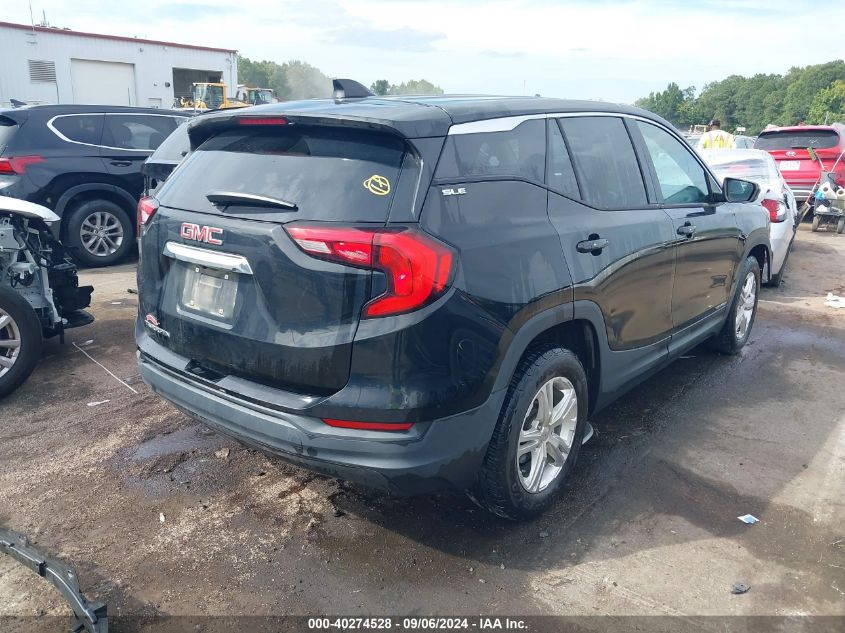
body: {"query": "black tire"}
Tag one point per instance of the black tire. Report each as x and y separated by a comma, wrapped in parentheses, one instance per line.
(840, 226)
(730, 340)
(499, 487)
(25, 321)
(106, 210)
(816, 221)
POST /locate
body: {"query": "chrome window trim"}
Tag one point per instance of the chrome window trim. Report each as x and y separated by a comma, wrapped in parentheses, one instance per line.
(509, 123)
(53, 129)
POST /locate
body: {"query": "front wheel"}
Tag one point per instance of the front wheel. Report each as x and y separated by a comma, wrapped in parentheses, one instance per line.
(20, 340)
(537, 438)
(817, 220)
(737, 328)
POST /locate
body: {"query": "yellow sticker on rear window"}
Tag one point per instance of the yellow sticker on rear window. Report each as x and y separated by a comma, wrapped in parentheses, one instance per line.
(378, 185)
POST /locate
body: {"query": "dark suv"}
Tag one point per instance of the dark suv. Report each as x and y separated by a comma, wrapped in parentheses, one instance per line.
(84, 163)
(414, 293)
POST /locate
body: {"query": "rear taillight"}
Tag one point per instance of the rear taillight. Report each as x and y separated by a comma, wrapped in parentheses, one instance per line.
(18, 164)
(147, 208)
(776, 209)
(369, 426)
(417, 267)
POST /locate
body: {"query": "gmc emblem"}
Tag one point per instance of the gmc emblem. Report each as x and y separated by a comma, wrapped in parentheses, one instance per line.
(206, 234)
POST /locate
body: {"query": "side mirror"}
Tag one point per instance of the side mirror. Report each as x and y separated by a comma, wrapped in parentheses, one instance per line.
(737, 190)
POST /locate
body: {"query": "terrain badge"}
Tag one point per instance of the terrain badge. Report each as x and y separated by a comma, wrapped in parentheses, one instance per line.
(152, 323)
(377, 185)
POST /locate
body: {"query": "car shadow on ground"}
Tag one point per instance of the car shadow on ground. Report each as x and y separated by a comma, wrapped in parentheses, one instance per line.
(639, 458)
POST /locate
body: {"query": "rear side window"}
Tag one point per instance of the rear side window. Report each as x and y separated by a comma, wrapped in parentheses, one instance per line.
(560, 174)
(7, 130)
(517, 153)
(329, 173)
(797, 139)
(136, 132)
(80, 128)
(605, 162)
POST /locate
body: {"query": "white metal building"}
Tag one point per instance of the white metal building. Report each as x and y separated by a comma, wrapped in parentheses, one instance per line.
(51, 65)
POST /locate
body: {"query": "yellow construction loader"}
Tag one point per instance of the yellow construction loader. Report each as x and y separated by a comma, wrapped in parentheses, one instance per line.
(255, 96)
(210, 96)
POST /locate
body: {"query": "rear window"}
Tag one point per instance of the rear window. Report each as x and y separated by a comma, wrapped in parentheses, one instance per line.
(753, 169)
(7, 130)
(797, 139)
(328, 173)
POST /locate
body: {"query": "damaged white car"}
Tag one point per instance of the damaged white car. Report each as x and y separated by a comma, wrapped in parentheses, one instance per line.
(40, 296)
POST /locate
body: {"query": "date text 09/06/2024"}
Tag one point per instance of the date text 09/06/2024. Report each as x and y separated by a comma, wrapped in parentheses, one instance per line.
(416, 624)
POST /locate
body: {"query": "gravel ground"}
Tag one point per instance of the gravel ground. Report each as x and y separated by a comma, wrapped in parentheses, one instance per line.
(162, 517)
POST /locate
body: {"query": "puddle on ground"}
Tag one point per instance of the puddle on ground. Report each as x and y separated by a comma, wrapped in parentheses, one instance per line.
(181, 441)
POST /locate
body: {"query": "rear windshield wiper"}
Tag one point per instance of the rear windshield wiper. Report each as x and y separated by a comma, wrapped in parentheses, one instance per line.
(228, 198)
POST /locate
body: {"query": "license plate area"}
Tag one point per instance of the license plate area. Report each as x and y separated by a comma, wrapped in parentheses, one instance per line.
(790, 165)
(209, 293)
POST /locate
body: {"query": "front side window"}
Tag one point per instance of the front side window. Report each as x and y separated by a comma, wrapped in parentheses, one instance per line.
(80, 128)
(516, 153)
(136, 132)
(605, 162)
(681, 177)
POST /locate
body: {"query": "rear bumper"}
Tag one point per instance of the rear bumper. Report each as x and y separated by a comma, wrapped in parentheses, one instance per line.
(431, 456)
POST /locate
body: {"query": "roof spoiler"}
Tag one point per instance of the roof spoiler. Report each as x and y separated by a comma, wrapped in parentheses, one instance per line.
(349, 89)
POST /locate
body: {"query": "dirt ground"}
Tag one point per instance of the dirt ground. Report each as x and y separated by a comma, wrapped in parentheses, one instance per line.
(161, 516)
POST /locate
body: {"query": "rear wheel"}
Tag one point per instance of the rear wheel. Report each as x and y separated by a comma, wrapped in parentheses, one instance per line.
(816, 221)
(737, 328)
(537, 438)
(99, 233)
(20, 340)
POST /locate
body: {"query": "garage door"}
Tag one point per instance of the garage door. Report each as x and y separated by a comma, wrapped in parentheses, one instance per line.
(107, 83)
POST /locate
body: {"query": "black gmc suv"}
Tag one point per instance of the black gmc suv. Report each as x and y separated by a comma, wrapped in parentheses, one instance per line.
(84, 163)
(414, 293)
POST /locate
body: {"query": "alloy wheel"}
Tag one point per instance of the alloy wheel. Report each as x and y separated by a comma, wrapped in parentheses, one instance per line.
(745, 309)
(547, 434)
(101, 233)
(10, 342)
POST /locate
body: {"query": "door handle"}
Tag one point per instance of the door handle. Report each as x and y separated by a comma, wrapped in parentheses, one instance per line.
(687, 230)
(121, 163)
(592, 246)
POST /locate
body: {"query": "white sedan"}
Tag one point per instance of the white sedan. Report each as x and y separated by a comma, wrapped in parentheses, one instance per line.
(775, 195)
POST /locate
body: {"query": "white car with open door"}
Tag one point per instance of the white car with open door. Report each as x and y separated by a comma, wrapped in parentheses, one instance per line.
(775, 195)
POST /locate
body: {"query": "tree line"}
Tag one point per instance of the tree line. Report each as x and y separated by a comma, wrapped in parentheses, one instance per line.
(812, 94)
(299, 80)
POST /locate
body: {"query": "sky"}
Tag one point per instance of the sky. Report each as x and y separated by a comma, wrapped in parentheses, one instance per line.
(615, 50)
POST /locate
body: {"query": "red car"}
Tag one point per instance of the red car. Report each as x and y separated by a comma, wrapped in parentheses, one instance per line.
(788, 146)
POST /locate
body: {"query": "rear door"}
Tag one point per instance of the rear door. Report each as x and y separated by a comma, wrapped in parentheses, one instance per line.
(128, 140)
(226, 282)
(705, 234)
(616, 241)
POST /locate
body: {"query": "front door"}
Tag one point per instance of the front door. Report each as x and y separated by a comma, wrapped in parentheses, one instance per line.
(705, 232)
